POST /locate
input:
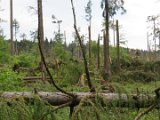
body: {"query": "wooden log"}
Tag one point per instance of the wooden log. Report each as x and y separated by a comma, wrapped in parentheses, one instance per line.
(109, 99)
(34, 79)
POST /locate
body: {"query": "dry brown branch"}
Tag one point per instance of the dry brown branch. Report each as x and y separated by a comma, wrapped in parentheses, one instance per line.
(139, 116)
(56, 108)
(90, 85)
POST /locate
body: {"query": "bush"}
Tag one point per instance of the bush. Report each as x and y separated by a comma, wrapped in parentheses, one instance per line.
(138, 75)
(9, 80)
(152, 66)
(70, 73)
(4, 51)
(25, 60)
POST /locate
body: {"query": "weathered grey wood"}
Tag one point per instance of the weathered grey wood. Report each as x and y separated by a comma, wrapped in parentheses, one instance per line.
(110, 99)
(34, 78)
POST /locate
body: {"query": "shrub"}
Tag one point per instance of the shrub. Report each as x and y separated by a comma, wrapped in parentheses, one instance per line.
(25, 60)
(4, 51)
(70, 73)
(138, 75)
(9, 80)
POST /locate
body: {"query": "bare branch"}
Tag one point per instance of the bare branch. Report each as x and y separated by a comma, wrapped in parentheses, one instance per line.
(138, 117)
(92, 88)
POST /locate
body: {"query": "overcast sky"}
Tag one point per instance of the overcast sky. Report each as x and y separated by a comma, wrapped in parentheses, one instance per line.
(133, 22)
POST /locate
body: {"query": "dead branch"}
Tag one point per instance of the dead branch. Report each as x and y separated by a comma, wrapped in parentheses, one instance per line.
(90, 85)
(139, 116)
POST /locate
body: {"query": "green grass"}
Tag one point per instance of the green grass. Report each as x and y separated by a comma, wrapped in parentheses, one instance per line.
(131, 86)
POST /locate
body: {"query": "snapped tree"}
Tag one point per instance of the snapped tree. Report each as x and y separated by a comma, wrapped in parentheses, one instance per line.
(88, 17)
(110, 8)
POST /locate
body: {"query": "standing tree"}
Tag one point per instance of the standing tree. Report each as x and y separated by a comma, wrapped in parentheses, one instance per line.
(1, 20)
(88, 17)
(34, 35)
(23, 36)
(110, 8)
(11, 27)
(118, 52)
(155, 28)
(98, 52)
(58, 35)
(16, 27)
(73, 97)
(113, 27)
(41, 35)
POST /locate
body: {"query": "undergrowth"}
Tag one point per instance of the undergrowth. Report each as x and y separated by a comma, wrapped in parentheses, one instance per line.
(86, 110)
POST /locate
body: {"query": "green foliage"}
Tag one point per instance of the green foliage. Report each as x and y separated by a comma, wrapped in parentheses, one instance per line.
(152, 66)
(88, 10)
(60, 52)
(101, 110)
(18, 110)
(123, 53)
(94, 48)
(70, 73)
(36, 109)
(27, 60)
(114, 6)
(124, 58)
(9, 80)
(4, 51)
(138, 75)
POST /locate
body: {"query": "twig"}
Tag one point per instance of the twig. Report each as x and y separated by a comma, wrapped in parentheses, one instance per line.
(92, 88)
(145, 112)
(56, 108)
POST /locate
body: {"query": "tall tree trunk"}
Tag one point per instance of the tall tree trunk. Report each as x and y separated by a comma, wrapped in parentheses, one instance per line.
(15, 34)
(107, 67)
(104, 50)
(89, 33)
(114, 40)
(41, 34)
(98, 52)
(11, 27)
(118, 52)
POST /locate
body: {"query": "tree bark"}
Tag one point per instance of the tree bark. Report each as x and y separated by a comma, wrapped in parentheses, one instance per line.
(89, 33)
(41, 34)
(11, 27)
(118, 52)
(98, 52)
(107, 67)
(35, 78)
(104, 50)
(109, 99)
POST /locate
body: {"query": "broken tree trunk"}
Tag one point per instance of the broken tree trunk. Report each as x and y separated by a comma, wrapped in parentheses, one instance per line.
(108, 99)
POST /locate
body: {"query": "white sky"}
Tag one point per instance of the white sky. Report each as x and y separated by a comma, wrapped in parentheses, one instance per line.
(133, 22)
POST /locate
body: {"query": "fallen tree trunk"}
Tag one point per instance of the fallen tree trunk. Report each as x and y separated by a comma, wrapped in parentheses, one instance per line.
(108, 99)
(34, 79)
